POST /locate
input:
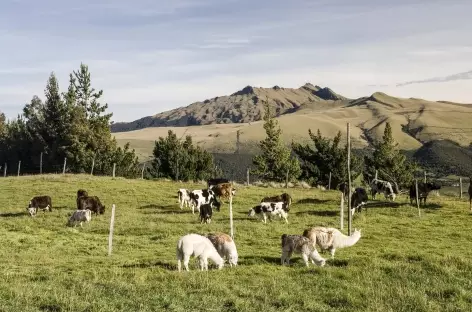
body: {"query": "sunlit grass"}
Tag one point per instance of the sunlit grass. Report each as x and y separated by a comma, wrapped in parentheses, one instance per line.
(401, 263)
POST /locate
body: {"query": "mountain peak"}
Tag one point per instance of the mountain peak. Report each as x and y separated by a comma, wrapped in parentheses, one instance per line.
(246, 90)
(308, 86)
(328, 94)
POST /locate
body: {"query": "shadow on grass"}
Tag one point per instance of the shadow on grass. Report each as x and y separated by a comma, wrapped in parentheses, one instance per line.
(319, 213)
(13, 214)
(428, 206)
(154, 264)
(168, 209)
(337, 262)
(313, 201)
(384, 204)
(251, 260)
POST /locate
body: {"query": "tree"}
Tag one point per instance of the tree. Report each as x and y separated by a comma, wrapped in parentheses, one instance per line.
(176, 159)
(275, 160)
(2, 123)
(73, 125)
(326, 156)
(390, 163)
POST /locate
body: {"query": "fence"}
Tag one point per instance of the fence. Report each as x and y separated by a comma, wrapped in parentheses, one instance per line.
(110, 170)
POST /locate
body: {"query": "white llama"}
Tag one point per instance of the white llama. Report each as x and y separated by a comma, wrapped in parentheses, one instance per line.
(301, 245)
(199, 246)
(331, 239)
(225, 246)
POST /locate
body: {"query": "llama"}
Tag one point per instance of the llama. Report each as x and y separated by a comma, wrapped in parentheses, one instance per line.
(301, 245)
(80, 216)
(225, 247)
(331, 239)
(200, 247)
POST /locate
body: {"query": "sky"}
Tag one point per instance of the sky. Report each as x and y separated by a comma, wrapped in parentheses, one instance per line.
(151, 56)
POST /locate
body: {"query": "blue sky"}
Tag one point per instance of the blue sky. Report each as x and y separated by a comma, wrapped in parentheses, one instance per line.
(151, 56)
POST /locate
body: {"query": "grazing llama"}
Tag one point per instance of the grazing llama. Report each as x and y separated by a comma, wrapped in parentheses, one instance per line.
(199, 246)
(301, 245)
(80, 216)
(331, 239)
(225, 246)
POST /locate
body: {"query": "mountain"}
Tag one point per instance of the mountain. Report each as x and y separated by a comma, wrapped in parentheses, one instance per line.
(244, 106)
(414, 121)
(445, 157)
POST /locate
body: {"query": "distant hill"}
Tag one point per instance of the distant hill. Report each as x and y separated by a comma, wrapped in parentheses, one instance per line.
(445, 157)
(414, 121)
(243, 106)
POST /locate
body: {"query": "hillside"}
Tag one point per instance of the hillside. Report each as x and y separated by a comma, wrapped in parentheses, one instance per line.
(414, 122)
(445, 157)
(243, 106)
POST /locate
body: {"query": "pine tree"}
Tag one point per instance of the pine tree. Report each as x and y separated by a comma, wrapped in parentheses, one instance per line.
(390, 163)
(275, 160)
(2, 123)
(176, 159)
(326, 157)
(72, 125)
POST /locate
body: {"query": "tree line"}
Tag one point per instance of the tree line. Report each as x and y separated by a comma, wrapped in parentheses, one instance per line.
(315, 162)
(71, 125)
(74, 125)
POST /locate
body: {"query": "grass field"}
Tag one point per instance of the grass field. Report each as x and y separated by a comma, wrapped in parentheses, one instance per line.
(401, 263)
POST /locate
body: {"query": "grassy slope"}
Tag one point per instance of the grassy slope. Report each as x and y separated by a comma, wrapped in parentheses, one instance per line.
(402, 262)
(433, 119)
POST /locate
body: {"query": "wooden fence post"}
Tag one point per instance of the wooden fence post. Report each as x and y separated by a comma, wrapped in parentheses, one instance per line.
(19, 165)
(460, 185)
(247, 176)
(417, 199)
(41, 163)
(93, 165)
(376, 174)
(349, 214)
(286, 179)
(142, 171)
(112, 223)
(231, 216)
(114, 168)
(329, 182)
(5, 171)
(64, 169)
(342, 212)
(425, 176)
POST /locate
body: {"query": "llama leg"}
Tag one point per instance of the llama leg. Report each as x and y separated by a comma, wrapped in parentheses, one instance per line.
(331, 251)
(283, 257)
(305, 259)
(202, 264)
(179, 265)
(287, 257)
(316, 258)
(186, 260)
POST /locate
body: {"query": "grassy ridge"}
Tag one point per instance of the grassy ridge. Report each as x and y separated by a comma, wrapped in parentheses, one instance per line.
(401, 263)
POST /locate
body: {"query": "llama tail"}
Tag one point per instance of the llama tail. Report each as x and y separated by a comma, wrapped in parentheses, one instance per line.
(283, 237)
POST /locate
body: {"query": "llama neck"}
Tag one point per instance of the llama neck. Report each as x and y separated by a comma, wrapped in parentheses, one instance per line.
(342, 241)
(215, 257)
